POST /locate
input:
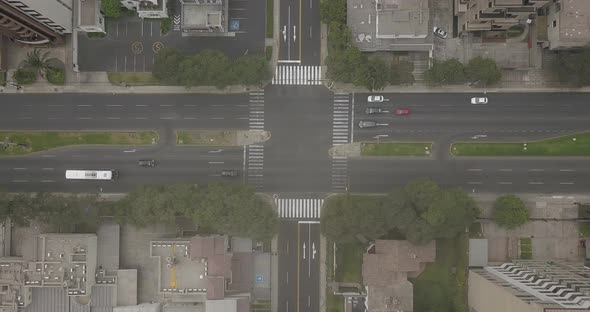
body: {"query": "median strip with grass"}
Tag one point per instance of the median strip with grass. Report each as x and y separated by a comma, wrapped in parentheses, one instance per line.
(569, 145)
(396, 149)
(133, 79)
(21, 143)
(207, 138)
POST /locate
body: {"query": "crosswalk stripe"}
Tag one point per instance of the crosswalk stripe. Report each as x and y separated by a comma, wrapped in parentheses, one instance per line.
(297, 75)
(303, 208)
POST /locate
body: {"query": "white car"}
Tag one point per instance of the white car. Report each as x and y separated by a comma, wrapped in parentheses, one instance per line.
(479, 100)
(375, 98)
(439, 32)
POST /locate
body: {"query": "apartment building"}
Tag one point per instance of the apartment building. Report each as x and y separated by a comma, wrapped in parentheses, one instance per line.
(35, 22)
(530, 286)
(482, 15)
(568, 24)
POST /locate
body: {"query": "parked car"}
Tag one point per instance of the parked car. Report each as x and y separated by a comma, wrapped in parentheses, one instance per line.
(375, 98)
(229, 173)
(402, 111)
(367, 124)
(479, 100)
(147, 162)
(373, 110)
(439, 32)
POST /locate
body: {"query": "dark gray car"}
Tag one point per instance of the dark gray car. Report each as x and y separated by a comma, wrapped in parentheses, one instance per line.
(373, 110)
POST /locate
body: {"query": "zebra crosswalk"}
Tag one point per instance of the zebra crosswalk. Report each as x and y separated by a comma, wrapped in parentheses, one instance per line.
(307, 208)
(341, 134)
(297, 75)
(255, 165)
(256, 118)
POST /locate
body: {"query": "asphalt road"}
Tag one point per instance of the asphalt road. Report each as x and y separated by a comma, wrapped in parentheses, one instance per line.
(290, 39)
(299, 266)
(46, 171)
(300, 31)
(296, 156)
(99, 111)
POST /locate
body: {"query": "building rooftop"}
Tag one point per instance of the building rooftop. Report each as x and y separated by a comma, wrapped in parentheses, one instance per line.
(87, 11)
(202, 16)
(386, 267)
(574, 22)
(64, 260)
(478, 252)
(390, 25)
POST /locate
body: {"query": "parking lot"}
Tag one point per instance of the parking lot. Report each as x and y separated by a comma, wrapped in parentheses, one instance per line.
(131, 43)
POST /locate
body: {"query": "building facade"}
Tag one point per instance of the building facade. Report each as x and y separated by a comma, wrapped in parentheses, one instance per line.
(530, 286)
(35, 22)
(147, 8)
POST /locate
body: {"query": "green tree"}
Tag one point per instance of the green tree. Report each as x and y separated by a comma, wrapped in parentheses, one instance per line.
(167, 66)
(148, 205)
(510, 211)
(111, 8)
(573, 67)
(56, 76)
(24, 76)
(445, 72)
(483, 70)
(251, 69)
(39, 63)
(333, 11)
(344, 217)
(236, 210)
(374, 75)
(401, 73)
(423, 211)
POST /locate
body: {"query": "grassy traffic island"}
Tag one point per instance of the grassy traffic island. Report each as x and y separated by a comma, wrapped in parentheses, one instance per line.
(568, 145)
(26, 142)
(396, 149)
(207, 138)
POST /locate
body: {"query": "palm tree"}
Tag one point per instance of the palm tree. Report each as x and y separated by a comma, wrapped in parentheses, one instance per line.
(40, 63)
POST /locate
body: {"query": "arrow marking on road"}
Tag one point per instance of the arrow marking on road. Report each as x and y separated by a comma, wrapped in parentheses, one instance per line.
(303, 250)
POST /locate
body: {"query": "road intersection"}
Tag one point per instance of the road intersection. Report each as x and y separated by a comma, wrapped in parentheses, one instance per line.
(305, 122)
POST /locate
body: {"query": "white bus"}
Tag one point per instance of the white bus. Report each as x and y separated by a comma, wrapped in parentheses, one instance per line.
(91, 174)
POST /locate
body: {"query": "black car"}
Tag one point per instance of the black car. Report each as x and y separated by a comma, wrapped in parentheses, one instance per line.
(147, 162)
(229, 173)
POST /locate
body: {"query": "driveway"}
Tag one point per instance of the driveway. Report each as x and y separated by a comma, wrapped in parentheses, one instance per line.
(132, 43)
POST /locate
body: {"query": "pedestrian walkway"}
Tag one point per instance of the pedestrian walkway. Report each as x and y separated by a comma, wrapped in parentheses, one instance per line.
(306, 208)
(339, 173)
(297, 75)
(256, 119)
(255, 165)
(340, 135)
(341, 119)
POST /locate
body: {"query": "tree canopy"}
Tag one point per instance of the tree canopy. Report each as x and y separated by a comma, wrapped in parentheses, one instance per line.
(573, 67)
(483, 70)
(220, 208)
(346, 216)
(209, 68)
(510, 211)
(111, 8)
(445, 72)
(421, 211)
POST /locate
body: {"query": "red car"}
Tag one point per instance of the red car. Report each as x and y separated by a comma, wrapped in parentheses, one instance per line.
(402, 111)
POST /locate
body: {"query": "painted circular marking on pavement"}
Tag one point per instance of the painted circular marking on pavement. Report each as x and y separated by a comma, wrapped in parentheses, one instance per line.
(157, 46)
(137, 47)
